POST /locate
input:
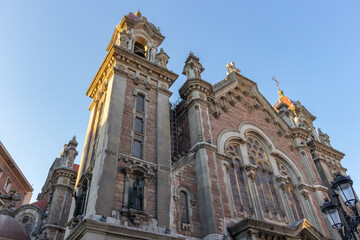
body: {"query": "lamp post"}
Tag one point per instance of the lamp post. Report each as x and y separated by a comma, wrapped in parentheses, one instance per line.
(340, 220)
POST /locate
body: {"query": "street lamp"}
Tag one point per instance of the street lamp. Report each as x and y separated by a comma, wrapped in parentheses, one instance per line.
(331, 212)
(337, 216)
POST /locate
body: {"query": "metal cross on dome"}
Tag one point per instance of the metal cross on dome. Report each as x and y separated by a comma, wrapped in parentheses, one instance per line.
(276, 81)
(11, 199)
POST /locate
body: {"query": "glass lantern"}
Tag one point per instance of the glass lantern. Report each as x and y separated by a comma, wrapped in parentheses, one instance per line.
(331, 212)
(343, 186)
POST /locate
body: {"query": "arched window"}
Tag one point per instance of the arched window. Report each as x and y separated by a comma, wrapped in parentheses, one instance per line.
(290, 192)
(140, 103)
(183, 198)
(139, 49)
(264, 179)
(27, 221)
(236, 174)
(184, 208)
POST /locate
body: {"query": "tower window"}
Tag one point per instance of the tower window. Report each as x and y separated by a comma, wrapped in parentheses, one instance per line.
(139, 49)
(184, 208)
(137, 148)
(140, 103)
(139, 128)
(7, 185)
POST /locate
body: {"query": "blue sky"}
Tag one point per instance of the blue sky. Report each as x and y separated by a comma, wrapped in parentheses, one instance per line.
(51, 50)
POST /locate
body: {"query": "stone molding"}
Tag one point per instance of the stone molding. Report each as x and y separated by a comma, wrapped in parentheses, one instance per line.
(89, 226)
(195, 84)
(261, 229)
(329, 151)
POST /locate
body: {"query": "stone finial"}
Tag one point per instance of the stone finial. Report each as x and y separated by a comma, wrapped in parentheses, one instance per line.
(192, 68)
(138, 13)
(324, 138)
(69, 153)
(231, 68)
(162, 58)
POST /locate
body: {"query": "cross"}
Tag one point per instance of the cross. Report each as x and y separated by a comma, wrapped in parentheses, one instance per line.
(276, 81)
(11, 199)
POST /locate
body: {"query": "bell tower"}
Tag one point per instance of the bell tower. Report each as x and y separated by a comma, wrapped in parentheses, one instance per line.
(124, 175)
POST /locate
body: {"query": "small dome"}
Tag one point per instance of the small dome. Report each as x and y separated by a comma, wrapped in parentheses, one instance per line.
(41, 204)
(138, 13)
(12, 229)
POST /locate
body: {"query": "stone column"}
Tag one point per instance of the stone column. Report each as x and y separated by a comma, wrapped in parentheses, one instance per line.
(163, 158)
(106, 156)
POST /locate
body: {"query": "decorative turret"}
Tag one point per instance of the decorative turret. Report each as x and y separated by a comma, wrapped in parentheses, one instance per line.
(192, 68)
(291, 105)
(69, 153)
(137, 35)
(195, 87)
(162, 58)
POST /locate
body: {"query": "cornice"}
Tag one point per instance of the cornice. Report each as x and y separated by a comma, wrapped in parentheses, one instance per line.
(160, 73)
(125, 57)
(14, 169)
(289, 231)
(103, 67)
(319, 147)
(206, 145)
(195, 84)
(299, 133)
(195, 101)
(103, 228)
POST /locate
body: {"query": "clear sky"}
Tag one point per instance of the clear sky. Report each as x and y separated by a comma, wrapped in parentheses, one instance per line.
(51, 50)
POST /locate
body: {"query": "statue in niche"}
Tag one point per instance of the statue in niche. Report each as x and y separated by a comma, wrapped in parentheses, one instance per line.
(123, 42)
(137, 195)
(80, 201)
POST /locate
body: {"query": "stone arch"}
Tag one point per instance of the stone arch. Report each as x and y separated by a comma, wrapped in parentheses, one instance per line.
(180, 191)
(34, 213)
(144, 40)
(246, 126)
(226, 135)
(138, 91)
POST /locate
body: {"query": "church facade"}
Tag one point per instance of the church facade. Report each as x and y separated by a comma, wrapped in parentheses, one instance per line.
(221, 164)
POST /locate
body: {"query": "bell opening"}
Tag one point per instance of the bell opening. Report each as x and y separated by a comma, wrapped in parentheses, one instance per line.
(139, 49)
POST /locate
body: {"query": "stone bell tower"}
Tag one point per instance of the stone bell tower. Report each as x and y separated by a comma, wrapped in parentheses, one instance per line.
(124, 176)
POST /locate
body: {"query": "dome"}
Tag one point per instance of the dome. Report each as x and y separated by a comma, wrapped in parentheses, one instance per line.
(12, 229)
(138, 13)
(41, 204)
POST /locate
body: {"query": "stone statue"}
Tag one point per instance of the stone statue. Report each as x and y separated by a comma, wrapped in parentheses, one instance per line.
(80, 201)
(138, 194)
(324, 138)
(11, 200)
(231, 68)
(123, 42)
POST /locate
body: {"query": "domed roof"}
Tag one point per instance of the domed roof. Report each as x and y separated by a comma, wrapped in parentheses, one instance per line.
(12, 229)
(41, 204)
